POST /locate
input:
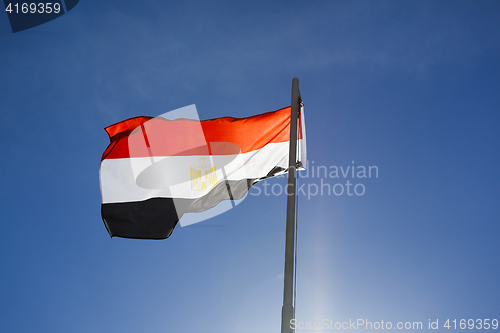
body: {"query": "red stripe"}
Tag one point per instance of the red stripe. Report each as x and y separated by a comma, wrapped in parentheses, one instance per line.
(125, 126)
(182, 137)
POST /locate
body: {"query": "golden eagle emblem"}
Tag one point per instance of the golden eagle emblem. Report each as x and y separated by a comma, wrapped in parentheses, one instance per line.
(203, 177)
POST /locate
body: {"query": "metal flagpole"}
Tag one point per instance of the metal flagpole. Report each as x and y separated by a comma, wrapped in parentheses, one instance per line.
(287, 311)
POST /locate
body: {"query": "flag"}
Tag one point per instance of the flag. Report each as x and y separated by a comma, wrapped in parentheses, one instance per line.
(156, 170)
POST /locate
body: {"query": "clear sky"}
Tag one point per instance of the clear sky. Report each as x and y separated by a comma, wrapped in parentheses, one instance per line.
(411, 87)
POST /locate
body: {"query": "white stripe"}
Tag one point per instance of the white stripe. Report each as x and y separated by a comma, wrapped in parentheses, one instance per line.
(138, 179)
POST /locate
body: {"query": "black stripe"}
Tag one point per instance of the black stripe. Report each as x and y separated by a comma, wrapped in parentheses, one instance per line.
(156, 218)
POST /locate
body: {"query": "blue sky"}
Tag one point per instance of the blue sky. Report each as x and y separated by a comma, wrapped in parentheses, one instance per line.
(410, 87)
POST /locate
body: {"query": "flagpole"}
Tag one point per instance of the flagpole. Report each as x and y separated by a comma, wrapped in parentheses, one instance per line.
(287, 311)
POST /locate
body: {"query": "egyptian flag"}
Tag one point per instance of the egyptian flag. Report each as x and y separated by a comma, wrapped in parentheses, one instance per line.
(155, 170)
